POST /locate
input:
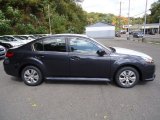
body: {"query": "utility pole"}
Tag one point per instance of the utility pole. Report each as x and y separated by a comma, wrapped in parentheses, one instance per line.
(145, 19)
(128, 38)
(49, 18)
(120, 17)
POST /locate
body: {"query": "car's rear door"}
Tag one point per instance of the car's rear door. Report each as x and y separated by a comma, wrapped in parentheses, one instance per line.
(54, 56)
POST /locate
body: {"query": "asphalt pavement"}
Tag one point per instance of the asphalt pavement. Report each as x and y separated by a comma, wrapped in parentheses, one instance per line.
(83, 100)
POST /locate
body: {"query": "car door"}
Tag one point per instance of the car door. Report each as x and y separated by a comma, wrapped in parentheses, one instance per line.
(84, 60)
(54, 56)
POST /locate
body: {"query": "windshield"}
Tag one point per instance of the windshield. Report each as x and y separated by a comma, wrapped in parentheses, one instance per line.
(24, 37)
(32, 37)
(19, 37)
(7, 39)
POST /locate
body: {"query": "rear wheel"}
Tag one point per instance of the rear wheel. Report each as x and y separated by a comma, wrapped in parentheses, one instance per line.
(31, 76)
(127, 77)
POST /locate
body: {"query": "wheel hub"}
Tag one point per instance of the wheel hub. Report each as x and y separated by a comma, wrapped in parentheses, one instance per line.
(127, 78)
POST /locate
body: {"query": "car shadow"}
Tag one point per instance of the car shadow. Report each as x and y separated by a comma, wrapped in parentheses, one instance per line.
(142, 82)
(78, 82)
(17, 79)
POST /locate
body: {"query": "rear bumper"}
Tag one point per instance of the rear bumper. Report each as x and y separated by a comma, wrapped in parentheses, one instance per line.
(10, 69)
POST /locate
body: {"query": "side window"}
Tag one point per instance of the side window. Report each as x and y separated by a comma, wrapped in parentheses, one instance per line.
(38, 46)
(55, 44)
(82, 45)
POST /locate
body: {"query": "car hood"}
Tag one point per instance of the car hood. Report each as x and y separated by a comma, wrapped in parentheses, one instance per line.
(130, 52)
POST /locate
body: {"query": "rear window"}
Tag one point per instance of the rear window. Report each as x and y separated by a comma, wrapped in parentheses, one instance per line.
(56, 44)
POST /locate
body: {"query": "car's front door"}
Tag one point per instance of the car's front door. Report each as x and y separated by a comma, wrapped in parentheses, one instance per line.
(84, 60)
(54, 56)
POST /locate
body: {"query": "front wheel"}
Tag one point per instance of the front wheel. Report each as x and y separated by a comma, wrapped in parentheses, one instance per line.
(127, 77)
(31, 76)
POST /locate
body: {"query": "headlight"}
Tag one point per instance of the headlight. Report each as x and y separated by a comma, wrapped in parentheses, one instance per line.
(148, 60)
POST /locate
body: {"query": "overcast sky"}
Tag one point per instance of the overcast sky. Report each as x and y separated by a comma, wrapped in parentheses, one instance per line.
(113, 6)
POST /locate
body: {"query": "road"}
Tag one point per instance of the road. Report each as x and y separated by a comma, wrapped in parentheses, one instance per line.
(82, 100)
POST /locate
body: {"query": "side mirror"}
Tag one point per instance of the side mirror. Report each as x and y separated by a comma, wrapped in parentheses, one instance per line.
(101, 52)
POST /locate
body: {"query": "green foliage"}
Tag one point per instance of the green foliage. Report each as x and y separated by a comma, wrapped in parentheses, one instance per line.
(155, 12)
(59, 24)
(4, 24)
(99, 17)
(2, 17)
(138, 20)
(5, 28)
(31, 16)
(107, 18)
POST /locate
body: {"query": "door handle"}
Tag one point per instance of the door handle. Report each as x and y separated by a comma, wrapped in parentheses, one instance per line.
(39, 56)
(74, 58)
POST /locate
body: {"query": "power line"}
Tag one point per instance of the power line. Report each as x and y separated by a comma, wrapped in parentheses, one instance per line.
(141, 13)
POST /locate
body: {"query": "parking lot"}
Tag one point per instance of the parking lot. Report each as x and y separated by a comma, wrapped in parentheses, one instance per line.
(83, 100)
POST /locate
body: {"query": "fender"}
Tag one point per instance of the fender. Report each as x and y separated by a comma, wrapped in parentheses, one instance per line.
(35, 62)
(125, 62)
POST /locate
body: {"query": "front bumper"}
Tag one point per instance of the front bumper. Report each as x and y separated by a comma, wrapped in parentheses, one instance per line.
(148, 72)
(150, 79)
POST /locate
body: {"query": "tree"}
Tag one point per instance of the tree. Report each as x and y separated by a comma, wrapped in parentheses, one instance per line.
(99, 17)
(155, 12)
(31, 16)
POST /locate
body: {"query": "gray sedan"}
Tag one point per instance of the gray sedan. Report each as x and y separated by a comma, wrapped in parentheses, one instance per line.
(2, 52)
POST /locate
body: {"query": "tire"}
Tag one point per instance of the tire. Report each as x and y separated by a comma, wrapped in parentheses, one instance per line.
(127, 77)
(31, 76)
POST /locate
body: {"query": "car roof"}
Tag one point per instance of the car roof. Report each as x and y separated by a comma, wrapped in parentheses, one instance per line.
(8, 35)
(67, 34)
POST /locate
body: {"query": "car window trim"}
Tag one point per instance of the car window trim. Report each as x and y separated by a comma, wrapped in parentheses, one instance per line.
(77, 37)
(87, 39)
(47, 38)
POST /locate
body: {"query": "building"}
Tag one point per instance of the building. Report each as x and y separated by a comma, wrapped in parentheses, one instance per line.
(100, 30)
(150, 28)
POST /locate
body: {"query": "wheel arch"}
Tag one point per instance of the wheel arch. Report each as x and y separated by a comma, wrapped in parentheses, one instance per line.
(128, 65)
(29, 64)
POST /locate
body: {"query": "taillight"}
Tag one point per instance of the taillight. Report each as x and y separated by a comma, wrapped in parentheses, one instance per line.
(9, 54)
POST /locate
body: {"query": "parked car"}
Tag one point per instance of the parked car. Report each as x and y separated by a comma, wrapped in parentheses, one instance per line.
(137, 34)
(130, 32)
(24, 38)
(11, 37)
(118, 34)
(2, 52)
(40, 35)
(28, 37)
(123, 31)
(152, 33)
(77, 57)
(8, 42)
